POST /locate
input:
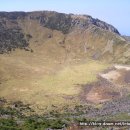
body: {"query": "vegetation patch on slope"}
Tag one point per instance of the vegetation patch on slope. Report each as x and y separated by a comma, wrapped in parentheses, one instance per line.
(42, 85)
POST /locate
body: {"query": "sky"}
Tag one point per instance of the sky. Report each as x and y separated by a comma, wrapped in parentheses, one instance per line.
(115, 12)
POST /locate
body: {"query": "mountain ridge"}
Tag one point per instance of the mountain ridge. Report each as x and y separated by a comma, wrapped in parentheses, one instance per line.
(26, 29)
(72, 18)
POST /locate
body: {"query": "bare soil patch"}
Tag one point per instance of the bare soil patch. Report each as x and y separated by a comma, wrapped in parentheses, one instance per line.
(112, 84)
(100, 91)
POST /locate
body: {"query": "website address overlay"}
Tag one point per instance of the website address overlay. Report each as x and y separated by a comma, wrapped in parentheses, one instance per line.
(104, 123)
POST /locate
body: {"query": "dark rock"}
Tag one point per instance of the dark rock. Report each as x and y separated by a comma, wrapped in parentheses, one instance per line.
(12, 37)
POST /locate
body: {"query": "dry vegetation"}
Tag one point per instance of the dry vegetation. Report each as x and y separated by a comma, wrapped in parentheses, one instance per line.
(56, 69)
(28, 78)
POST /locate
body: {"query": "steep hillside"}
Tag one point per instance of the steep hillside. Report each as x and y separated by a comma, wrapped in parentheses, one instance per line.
(55, 62)
(77, 35)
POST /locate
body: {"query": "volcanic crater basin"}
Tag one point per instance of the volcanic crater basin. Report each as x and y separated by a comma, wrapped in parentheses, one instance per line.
(36, 79)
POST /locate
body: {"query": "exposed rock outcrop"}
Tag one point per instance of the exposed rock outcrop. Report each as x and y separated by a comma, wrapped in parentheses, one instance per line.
(79, 33)
(59, 21)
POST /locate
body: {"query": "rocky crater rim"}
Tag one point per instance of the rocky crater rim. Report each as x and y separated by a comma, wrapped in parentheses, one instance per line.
(60, 21)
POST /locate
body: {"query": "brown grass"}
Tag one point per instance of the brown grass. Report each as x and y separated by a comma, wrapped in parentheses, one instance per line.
(36, 79)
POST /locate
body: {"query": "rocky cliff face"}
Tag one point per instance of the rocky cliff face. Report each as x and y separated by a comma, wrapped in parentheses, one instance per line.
(79, 33)
(66, 23)
(58, 21)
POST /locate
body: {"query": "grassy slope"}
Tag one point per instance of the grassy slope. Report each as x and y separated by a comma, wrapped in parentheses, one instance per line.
(29, 77)
(51, 74)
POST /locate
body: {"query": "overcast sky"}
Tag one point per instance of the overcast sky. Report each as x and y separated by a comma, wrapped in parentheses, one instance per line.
(115, 12)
